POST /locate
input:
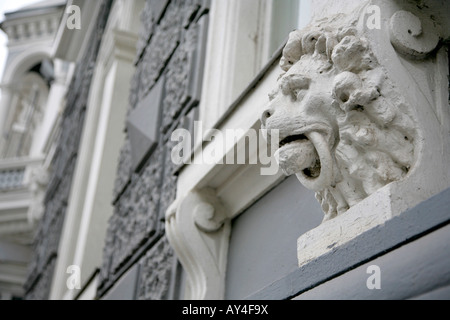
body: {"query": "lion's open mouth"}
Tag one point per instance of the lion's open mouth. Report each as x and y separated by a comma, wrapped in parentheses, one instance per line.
(296, 153)
(292, 138)
(306, 155)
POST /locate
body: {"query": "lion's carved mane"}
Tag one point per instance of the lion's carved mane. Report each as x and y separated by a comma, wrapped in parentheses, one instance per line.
(344, 129)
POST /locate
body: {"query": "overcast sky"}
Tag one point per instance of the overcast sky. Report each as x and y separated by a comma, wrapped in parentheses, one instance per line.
(7, 6)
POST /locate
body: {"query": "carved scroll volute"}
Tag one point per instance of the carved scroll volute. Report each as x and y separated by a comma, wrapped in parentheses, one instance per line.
(410, 37)
(198, 230)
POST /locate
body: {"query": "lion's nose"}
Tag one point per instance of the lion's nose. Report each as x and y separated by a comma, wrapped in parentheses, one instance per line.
(266, 115)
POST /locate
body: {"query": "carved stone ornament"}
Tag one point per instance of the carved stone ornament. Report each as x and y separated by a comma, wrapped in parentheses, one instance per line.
(345, 130)
(38, 184)
(409, 37)
(198, 230)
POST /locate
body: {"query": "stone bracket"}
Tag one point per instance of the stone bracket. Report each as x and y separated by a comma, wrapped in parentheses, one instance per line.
(198, 229)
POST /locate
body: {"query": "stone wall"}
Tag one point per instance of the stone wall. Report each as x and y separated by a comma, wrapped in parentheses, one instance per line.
(165, 92)
(47, 238)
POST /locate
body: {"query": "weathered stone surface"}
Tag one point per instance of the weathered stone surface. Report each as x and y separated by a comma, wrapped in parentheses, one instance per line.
(178, 79)
(136, 209)
(156, 269)
(123, 174)
(134, 219)
(169, 54)
(149, 17)
(160, 49)
(41, 288)
(135, 86)
(169, 181)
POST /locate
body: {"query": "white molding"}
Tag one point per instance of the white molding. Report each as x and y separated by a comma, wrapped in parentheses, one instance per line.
(17, 163)
(234, 55)
(88, 211)
(13, 275)
(198, 228)
(125, 45)
(245, 117)
(21, 63)
(35, 27)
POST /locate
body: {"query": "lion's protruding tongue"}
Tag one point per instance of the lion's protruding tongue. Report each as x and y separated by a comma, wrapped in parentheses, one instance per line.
(296, 156)
(319, 175)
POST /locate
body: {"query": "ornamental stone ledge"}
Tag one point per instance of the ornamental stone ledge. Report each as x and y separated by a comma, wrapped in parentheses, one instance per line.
(332, 234)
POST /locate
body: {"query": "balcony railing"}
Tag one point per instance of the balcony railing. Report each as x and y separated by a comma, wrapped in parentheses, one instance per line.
(13, 173)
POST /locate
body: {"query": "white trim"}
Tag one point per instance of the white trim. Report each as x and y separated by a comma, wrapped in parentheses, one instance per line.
(238, 46)
(18, 163)
(234, 54)
(23, 62)
(91, 191)
(245, 117)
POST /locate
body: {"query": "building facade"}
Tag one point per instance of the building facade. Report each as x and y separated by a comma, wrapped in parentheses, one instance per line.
(203, 149)
(33, 88)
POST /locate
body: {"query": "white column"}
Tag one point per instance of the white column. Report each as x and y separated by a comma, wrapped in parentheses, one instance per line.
(4, 105)
(51, 110)
(86, 217)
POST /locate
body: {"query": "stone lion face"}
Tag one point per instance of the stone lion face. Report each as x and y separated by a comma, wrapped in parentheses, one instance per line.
(302, 110)
(339, 131)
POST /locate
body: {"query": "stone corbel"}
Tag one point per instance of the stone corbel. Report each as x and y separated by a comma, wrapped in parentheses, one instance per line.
(198, 229)
(38, 185)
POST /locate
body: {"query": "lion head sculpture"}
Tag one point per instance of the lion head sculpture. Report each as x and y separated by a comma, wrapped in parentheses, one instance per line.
(344, 130)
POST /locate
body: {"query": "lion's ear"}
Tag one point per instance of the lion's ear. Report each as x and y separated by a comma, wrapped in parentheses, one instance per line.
(292, 51)
(352, 54)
